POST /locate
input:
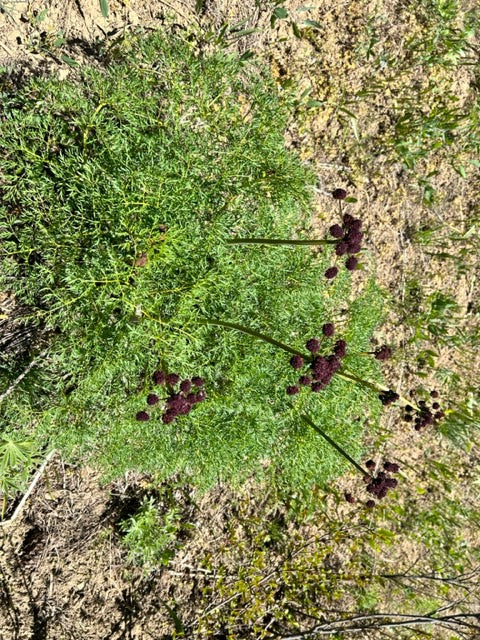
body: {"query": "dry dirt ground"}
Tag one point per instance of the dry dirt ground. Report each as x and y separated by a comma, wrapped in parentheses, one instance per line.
(63, 572)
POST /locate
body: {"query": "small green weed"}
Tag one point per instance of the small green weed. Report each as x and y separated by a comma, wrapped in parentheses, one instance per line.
(453, 244)
(462, 421)
(436, 320)
(17, 458)
(447, 33)
(150, 538)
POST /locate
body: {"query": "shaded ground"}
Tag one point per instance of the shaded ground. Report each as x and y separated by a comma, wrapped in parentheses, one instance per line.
(63, 570)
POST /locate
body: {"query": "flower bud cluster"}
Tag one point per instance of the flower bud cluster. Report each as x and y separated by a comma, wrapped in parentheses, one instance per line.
(321, 368)
(348, 238)
(383, 353)
(380, 484)
(388, 397)
(339, 194)
(377, 485)
(426, 415)
(178, 400)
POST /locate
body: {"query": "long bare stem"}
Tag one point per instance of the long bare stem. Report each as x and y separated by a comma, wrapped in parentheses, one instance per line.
(375, 621)
(332, 442)
(375, 387)
(17, 381)
(278, 241)
(253, 333)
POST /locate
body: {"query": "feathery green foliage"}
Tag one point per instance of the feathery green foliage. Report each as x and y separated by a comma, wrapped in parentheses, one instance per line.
(119, 193)
(149, 538)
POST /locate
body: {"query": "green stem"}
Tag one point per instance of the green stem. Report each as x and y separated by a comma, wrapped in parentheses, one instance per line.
(342, 452)
(366, 383)
(255, 334)
(375, 387)
(464, 416)
(276, 241)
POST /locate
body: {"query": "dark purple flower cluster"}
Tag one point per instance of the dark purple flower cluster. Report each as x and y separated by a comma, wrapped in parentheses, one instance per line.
(179, 401)
(388, 397)
(331, 273)
(313, 345)
(377, 485)
(348, 238)
(159, 377)
(339, 194)
(383, 353)
(328, 329)
(321, 369)
(381, 484)
(425, 415)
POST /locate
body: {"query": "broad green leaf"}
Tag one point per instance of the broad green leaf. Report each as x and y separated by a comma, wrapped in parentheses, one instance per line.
(281, 13)
(70, 61)
(247, 55)
(314, 103)
(312, 23)
(296, 31)
(104, 8)
(461, 171)
(244, 32)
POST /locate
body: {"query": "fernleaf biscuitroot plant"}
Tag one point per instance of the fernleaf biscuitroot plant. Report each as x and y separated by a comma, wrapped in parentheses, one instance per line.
(121, 194)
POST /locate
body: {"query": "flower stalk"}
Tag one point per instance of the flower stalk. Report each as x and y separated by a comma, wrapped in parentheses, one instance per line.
(278, 241)
(332, 442)
(346, 375)
(254, 334)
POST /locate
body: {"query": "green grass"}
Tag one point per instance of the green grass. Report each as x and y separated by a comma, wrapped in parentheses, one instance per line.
(162, 158)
